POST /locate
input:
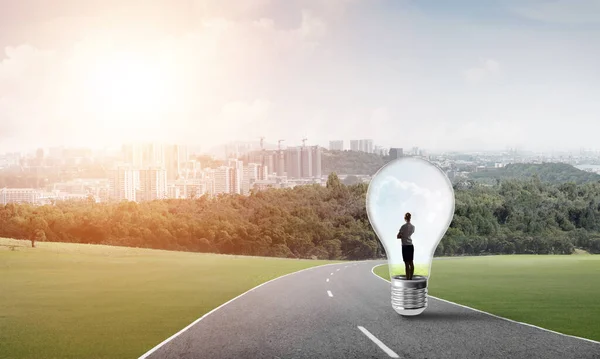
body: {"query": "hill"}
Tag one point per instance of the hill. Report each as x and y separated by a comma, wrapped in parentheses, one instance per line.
(546, 172)
(351, 162)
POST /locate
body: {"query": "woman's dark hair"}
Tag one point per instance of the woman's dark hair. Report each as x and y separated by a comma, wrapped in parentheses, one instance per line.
(407, 216)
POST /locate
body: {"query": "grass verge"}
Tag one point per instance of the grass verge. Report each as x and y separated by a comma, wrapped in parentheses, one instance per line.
(85, 301)
(560, 293)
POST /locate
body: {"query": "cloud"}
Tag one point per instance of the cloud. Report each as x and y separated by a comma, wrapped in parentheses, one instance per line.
(202, 73)
(392, 191)
(488, 69)
(562, 11)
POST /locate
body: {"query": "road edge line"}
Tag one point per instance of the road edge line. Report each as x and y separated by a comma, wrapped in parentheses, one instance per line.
(494, 315)
(378, 342)
(151, 351)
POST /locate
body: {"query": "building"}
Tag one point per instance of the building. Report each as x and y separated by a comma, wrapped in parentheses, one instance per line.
(144, 154)
(80, 186)
(280, 163)
(153, 183)
(19, 195)
(337, 145)
(396, 152)
(173, 163)
(306, 166)
(123, 183)
(252, 173)
(317, 167)
(190, 169)
(237, 175)
(173, 191)
(262, 185)
(190, 188)
(367, 146)
(222, 180)
(364, 145)
(293, 166)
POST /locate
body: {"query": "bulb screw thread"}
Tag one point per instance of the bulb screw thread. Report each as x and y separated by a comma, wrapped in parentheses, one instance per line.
(409, 297)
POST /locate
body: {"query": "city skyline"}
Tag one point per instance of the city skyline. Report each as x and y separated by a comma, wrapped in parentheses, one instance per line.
(505, 74)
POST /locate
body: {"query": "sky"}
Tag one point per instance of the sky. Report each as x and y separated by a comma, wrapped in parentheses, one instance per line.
(418, 187)
(440, 75)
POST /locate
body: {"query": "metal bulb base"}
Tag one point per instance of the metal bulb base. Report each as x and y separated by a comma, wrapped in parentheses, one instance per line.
(409, 297)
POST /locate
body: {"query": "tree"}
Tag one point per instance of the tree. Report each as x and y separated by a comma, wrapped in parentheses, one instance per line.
(333, 181)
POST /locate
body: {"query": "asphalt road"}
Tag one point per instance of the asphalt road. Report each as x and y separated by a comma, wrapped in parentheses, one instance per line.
(344, 311)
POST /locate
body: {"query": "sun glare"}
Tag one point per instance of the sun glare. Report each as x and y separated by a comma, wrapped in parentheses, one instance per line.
(127, 90)
(128, 84)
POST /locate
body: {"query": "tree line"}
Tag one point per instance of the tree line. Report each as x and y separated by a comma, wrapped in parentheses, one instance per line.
(546, 172)
(514, 216)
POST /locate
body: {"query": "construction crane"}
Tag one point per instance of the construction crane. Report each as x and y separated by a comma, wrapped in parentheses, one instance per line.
(279, 144)
(304, 142)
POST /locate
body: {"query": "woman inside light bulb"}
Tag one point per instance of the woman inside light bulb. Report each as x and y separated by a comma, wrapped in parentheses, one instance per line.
(408, 250)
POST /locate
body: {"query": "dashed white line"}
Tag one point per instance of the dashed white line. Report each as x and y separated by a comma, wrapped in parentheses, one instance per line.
(327, 280)
(379, 343)
(331, 273)
(337, 270)
(329, 293)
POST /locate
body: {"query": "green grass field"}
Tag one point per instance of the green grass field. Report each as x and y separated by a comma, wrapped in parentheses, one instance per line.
(560, 293)
(84, 301)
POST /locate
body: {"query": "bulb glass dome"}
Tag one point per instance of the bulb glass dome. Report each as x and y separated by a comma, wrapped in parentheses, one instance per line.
(422, 189)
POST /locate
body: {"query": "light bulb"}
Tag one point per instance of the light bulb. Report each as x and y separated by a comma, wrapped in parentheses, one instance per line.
(416, 186)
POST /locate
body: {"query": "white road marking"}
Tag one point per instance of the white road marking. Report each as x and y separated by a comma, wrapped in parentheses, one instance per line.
(329, 293)
(147, 354)
(379, 343)
(493, 315)
(331, 273)
(345, 266)
(337, 270)
(327, 280)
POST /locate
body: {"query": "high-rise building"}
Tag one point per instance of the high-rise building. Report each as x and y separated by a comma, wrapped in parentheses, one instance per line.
(173, 162)
(316, 162)
(364, 145)
(153, 183)
(144, 154)
(237, 175)
(222, 180)
(252, 174)
(368, 146)
(396, 152)
(306, 162)
(337, 145)
(123, 183)
(293, 166)
(280, 163)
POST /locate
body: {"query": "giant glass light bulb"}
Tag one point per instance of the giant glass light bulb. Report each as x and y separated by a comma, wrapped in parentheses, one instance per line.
(419, 187)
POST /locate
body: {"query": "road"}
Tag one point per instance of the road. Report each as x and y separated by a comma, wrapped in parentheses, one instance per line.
(344, 311)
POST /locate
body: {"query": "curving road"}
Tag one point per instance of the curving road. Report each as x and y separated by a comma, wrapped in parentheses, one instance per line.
(344, 311)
